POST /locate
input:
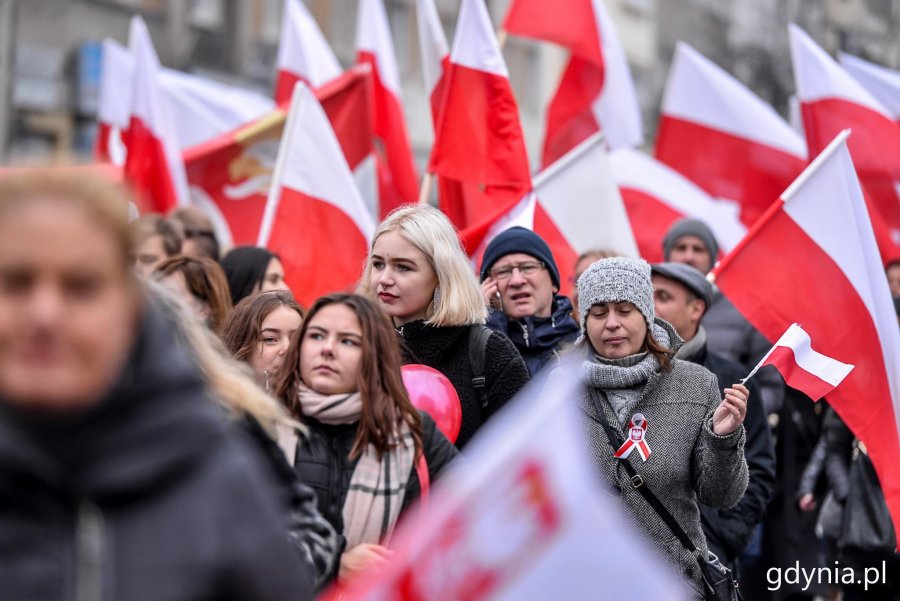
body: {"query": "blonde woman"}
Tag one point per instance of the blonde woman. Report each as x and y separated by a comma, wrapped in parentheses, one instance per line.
(422, 279)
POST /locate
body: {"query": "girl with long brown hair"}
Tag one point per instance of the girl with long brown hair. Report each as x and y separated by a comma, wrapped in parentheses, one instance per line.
(342, 378)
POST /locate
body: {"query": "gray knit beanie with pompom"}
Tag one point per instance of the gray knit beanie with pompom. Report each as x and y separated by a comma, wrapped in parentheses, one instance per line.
(615, 280)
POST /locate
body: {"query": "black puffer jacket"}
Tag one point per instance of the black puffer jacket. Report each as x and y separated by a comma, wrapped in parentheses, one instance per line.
(446, 349)
(146, 496)
(323, 463)
(538, 339)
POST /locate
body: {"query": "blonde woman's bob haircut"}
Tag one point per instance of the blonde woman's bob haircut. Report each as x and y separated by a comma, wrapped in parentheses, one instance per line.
(459, 300)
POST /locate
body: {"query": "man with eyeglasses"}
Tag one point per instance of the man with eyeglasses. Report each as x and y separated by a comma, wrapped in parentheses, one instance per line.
(520, 283)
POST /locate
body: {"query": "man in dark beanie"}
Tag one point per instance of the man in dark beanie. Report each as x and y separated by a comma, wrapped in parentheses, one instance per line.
(681, 296)
(520, 282)
(728, 333)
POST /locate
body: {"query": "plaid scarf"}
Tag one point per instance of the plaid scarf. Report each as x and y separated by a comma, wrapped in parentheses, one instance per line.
(377, 486)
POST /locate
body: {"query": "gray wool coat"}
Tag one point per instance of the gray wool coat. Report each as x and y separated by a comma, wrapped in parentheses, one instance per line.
(688, 462)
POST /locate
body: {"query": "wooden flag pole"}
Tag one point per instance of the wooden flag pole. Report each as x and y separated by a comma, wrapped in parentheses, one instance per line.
(425, 192)
(501, 38)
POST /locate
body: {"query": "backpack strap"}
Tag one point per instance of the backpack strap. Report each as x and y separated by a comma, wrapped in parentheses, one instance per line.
(478, 339)
(424, 478)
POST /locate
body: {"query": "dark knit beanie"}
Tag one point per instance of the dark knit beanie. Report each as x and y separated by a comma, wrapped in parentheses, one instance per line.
(519, 240)
(691, 227)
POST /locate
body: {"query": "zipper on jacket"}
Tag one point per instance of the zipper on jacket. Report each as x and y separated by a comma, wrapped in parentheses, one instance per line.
(525, 335)
(336, 484)
(89, 550)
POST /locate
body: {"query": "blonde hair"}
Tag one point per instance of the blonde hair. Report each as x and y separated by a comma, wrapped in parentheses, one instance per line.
(231, 382)
(459, 301)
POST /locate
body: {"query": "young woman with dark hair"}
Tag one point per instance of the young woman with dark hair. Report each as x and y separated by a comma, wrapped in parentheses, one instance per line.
(342, 379)
(259, 329)
(252, 269)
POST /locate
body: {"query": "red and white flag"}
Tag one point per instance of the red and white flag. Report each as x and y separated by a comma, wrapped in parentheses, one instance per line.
(479, 143)
(231, 174)
(831, 100)
(813, 258)
(114, 103)
(596, 91)
(315, 218)
(721, 136)
(398, 183)
(435, 53)
(656, 196)
(882, 83)
(154, 166)
(812, 373)
(303, 52)
(520, 520)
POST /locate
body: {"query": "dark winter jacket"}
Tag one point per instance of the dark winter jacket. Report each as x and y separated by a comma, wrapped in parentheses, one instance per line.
(148, 495)
(539, 339)
(689, 464)
(729, 530)
(323, 463)
(446, 349)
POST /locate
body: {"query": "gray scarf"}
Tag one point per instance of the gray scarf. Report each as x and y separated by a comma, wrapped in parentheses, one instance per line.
(692, 347)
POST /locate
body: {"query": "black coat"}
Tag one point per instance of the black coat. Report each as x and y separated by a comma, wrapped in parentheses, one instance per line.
(323, 463)
(446, 349)
(149, 495)
(729, 530)
(538, 339)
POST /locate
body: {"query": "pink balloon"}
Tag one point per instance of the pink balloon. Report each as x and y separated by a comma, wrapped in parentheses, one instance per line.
(431, 391)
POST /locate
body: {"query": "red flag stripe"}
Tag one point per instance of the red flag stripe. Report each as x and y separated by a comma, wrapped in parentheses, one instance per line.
(810, 384)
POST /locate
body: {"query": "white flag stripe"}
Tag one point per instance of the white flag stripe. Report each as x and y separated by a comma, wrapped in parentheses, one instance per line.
(580, 195)
(116, 75)
(432, 43)
(373, 34)
(823, 189)
(303, 49)
(310, 161)
(638, 171)
(823, 367)
(475, 43)
(819, 77)
(881, 82)
(700, 91)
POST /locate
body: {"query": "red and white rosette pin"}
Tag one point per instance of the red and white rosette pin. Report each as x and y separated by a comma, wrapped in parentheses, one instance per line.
(637, 439)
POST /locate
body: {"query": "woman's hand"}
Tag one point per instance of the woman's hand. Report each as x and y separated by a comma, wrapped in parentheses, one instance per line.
(807, 502)
(362, 558)
(730, 413)
(490, 293)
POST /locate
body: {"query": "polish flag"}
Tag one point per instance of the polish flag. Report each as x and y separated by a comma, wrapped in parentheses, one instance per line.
(880, 82)
(718, 134)
(514, 522)
(154, 165)
(303, 52)
(813, 258)
(230, 176)
(596, 91)
(832, 100)
(396, 168)
(812, 373)
(200, 107)
(656, 196)
(479, 142)
(435, 53)
(315, 218)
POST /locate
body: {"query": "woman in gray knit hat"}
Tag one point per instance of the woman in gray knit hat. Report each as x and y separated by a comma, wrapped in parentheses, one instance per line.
(665, 415)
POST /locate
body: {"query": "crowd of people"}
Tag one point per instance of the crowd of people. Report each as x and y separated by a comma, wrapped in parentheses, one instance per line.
(174, 425)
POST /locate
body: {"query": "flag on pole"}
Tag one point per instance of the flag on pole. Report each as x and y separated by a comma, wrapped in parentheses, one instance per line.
(721, 136)
(435, 53)
(520, 520)
(882, 83)
(596, 91)
(818, 237)
(315, 218)
(154, 166)
(398, 182)
(230, 175)
(832, 100)
(303, 52)
(657, 196)
(479, 141)
(812, 373)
